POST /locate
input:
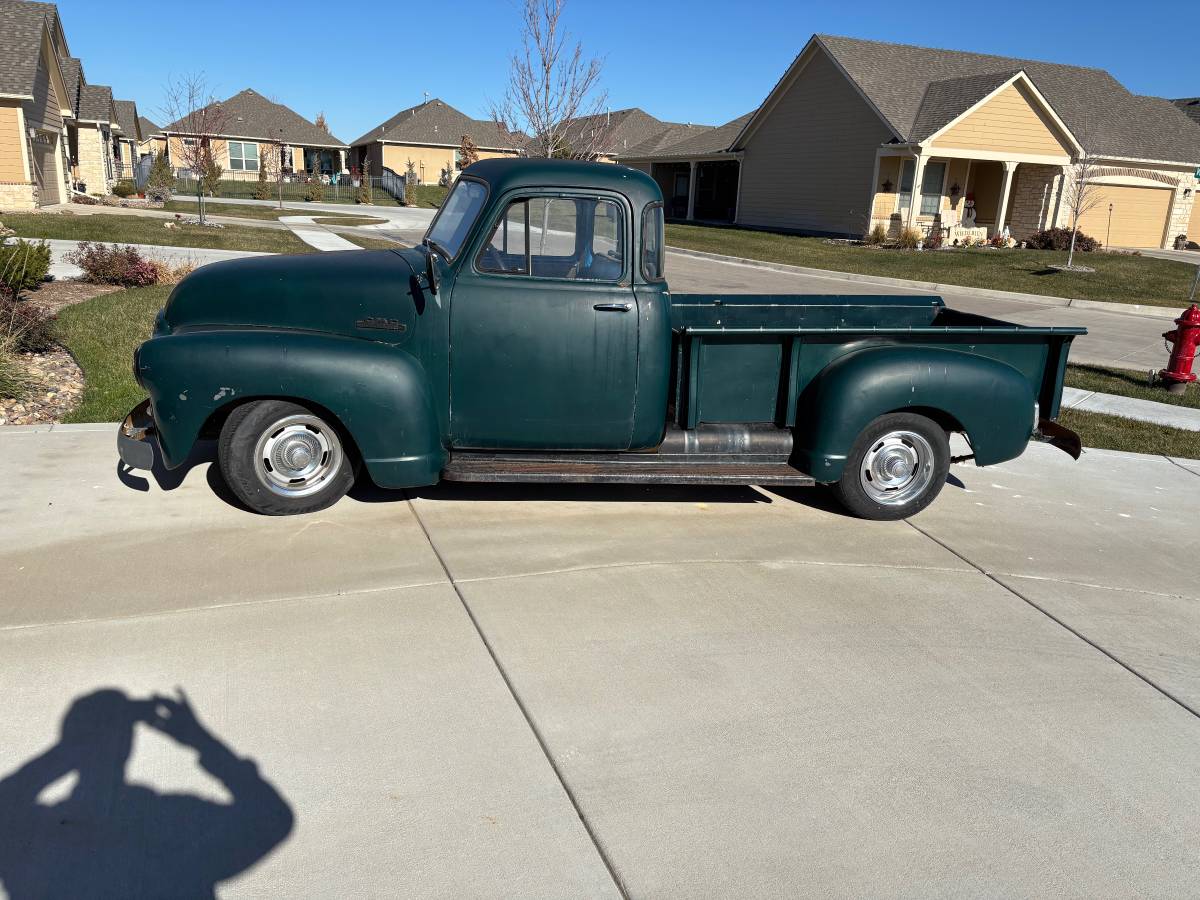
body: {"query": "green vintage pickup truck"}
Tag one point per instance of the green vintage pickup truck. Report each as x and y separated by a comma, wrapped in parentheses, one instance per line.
(532, 338)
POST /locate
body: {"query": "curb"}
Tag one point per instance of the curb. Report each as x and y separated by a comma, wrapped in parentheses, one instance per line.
(1128, 309)
(1167, 414)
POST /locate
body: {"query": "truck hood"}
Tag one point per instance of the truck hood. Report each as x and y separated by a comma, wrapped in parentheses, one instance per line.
(372, 294)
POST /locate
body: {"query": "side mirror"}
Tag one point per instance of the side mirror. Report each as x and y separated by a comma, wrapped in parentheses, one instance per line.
(431, 270)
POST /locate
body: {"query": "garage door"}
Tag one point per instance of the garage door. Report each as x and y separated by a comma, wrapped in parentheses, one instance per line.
(45, 171)
(1139, 216)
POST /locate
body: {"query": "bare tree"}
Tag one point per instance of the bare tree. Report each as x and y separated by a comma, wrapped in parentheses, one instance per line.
(197, 118)
(272, 156)
(553, 95)
(1081, 194)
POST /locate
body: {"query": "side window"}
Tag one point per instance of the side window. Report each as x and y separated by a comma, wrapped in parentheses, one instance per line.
(582, 239)
(505, 253)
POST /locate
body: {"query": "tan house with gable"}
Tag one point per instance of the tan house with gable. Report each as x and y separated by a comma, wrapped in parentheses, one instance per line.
(253, 127)
(430, 135)
(35, 106)
(862, 133)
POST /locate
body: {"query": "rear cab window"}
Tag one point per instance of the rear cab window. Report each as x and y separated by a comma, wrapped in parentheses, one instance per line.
(653, 260)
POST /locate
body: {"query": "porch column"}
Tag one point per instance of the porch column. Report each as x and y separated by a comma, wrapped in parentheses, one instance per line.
(915, 200)
(1005, 190)
(691, 212)
(871, 196)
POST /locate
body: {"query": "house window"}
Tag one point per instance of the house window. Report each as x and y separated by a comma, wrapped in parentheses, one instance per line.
(243, 157)
(931, 188)
(907, 172)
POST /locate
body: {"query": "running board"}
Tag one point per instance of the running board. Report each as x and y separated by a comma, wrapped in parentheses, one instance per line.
(478, 467)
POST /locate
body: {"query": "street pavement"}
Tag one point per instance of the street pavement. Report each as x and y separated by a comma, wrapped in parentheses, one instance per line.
(1120, 339)
(541, 691)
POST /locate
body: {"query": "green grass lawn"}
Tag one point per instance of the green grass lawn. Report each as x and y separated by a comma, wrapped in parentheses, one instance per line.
(147, 230)
(370, 243)
(1125, 383)
(1119, 278)
(430, 196)
(241, 210)
(1116, 433)
(101, 334)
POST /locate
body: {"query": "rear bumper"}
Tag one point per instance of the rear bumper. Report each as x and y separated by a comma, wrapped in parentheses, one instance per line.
(136, 438)
(1056, 435)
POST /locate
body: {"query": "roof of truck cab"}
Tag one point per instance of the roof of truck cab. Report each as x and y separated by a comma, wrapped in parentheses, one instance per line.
(513, 174)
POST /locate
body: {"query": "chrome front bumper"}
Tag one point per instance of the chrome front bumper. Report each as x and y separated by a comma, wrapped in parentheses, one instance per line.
(136, 438)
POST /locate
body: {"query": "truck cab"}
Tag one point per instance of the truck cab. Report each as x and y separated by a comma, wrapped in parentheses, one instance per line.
(532, 337)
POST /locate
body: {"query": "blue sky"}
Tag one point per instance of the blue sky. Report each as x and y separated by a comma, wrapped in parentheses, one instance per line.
(700, 61)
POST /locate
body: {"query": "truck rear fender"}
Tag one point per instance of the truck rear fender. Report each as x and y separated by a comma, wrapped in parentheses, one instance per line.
(379, 394)
(992, 403)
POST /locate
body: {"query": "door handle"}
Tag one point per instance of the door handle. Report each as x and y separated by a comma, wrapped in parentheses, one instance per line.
(613, 307)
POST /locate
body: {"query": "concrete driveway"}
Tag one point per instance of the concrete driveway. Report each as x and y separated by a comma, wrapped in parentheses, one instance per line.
(547, 691)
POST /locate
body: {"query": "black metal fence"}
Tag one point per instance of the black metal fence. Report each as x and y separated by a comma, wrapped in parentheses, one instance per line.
(383, 190)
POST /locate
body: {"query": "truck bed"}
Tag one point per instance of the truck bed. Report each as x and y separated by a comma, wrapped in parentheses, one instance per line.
(748, 357)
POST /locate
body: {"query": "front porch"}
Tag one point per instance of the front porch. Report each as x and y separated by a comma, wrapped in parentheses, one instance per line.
(969, 196)
(702, 189)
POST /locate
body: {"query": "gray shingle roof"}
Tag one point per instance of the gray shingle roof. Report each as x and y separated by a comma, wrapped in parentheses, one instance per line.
(1104, 117)
(21, 26)
(631, 132)
(95, 103)
(147, 127)
(706, 143)
(127, 118)
(435, 123)
(1190, 107)
(249, 114)
(72, 70)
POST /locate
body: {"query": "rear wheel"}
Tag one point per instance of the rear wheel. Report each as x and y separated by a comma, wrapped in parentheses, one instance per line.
(896, 468)
(282, 459)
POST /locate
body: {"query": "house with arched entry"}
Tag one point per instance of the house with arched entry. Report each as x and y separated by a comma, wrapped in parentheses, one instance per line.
(863, 133)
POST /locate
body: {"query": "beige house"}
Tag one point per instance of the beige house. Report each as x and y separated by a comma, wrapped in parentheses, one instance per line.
(429, 135)
(861, 133)
(253, 127)
(152, 138)
(35, 106)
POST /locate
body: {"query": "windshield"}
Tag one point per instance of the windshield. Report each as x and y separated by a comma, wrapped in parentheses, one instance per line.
(453, 222)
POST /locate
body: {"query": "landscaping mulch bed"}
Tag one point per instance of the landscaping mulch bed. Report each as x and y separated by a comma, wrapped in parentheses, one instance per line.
(56, 381)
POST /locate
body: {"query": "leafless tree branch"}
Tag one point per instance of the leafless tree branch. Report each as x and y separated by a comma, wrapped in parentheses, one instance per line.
(196, 116)
(554, 94)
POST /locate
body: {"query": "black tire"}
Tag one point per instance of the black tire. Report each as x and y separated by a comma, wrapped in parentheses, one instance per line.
(257, 433)
(904, 439)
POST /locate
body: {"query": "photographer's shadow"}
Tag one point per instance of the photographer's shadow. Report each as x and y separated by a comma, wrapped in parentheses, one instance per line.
(109, 838)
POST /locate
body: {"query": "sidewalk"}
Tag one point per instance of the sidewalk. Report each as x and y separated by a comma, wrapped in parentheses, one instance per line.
(1167, 414)
(174, 256)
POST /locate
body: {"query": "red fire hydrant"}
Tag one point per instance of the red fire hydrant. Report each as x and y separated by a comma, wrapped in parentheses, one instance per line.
(1184, 339)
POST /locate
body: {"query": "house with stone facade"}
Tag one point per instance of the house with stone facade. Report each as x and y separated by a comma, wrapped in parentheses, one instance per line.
(429, 134)
(863, 133)
(253, 127)
(58, 133)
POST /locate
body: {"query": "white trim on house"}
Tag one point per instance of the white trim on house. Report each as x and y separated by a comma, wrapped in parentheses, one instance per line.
(1102, 158)
(996, 156)
(26, 162)
(16, 96)
(789, 78)
(1019, 76)
(440, 146)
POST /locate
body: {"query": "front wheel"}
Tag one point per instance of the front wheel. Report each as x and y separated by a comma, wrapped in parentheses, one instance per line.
(281, 459)
(896, 468)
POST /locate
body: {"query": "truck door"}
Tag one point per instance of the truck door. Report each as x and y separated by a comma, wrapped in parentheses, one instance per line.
(544, 329)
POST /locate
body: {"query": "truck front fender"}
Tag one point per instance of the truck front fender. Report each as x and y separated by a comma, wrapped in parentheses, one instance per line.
(988, 400)
(380, 394)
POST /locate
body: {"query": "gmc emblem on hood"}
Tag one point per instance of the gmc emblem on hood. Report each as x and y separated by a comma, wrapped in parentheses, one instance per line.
(379, 323)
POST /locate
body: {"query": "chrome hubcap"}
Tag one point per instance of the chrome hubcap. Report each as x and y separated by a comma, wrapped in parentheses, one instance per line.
(297, 456)
(897, 468)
